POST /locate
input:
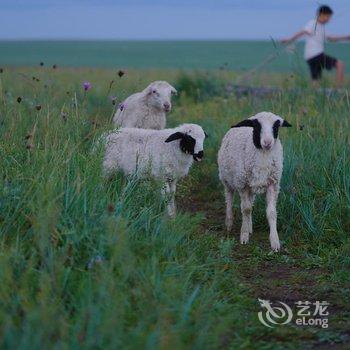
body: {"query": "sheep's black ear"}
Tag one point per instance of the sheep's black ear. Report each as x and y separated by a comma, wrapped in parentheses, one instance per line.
(176, 136)
(286, 124)
(246, 122)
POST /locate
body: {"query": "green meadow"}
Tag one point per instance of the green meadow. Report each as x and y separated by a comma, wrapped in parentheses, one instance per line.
(94, 264)
(232, 55)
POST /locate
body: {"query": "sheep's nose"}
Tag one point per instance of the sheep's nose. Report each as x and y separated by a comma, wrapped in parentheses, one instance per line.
(198, 156)
(267, 144)
(167, 106)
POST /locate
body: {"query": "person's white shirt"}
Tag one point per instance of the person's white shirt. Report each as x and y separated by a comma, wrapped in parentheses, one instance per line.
(314, 40)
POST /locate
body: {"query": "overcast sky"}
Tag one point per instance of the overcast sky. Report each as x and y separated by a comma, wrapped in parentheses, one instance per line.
(162, 19)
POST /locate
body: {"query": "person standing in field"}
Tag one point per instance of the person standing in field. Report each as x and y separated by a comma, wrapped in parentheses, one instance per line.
(315, 36)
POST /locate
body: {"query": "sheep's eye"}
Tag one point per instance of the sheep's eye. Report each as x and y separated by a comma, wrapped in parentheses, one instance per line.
(154, 91)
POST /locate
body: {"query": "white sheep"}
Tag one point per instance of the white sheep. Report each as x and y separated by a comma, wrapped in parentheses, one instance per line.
(146, 109)
(164, 154)
(250, 162)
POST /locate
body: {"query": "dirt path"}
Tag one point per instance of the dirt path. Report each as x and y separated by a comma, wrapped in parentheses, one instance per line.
(279, 277)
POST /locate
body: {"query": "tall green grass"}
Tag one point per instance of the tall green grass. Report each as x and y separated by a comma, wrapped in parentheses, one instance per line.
(90, 263)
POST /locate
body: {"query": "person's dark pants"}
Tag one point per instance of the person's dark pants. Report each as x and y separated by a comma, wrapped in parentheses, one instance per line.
(320, 62)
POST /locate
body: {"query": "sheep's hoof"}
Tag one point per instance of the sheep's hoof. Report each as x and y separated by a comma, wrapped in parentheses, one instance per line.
(172, 215)
(228, 227)
(275, 246)
(244, 237)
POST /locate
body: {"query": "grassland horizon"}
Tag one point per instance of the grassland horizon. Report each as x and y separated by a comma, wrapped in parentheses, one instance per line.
(235, 55)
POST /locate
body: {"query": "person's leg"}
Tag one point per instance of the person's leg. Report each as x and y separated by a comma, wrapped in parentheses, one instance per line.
(330, 63)
(315, 66)
(315, 83)
(340, 73)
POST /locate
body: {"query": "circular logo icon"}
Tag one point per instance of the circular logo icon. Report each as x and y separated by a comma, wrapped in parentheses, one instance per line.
(274, 315)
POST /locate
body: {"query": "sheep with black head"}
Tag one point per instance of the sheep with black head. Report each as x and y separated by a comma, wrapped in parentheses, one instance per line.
(250, 162)
(165, 154)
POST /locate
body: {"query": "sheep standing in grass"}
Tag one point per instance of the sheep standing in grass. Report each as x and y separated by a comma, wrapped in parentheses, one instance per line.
(164, 154)
(250, 162)
(146, 109)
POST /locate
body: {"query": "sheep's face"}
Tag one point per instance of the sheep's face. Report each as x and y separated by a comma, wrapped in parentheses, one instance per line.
(191, 139)
(265, 129)
(159, 95)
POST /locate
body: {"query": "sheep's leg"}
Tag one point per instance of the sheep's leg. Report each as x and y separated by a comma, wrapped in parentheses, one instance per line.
(108, 169)
(246, 208)
(250, 226)
(229, 214)
(169, 192)
(172, 205)
(271, 214)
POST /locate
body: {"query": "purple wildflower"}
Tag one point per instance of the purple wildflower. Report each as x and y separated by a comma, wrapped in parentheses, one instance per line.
(87, 85)
(64, 116)
(229, 88)
(110, 208)
(113, 99)
(96, 260)
(122, 106)
(29, 146)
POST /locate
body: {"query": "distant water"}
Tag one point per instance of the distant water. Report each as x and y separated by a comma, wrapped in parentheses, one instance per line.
(233, 55)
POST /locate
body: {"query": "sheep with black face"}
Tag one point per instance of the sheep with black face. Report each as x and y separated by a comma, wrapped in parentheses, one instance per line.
(250, 162)
(163, 154)
(146, 109)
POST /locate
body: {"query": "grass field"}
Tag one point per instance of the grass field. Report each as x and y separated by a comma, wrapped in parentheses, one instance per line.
(232, 55)
(90, 264)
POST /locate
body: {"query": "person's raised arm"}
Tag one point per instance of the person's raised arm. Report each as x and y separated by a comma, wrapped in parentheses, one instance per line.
(296, 36)
(338, 38)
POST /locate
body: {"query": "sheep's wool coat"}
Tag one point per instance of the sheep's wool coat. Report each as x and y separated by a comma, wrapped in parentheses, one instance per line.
(242, 165)
(145, 152)
(138, 112)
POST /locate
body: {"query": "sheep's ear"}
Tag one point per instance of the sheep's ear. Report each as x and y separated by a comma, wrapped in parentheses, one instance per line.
(246, 122)
(206, 135)
(176, 136)
(174, 91)
(286, 124)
